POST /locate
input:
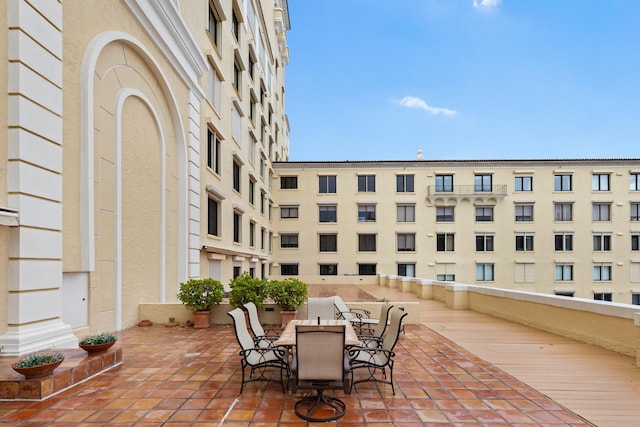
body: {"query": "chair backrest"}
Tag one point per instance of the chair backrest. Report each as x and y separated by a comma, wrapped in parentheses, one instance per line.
(395, 326)
(240, 325)
(383, 321)
(343, 309)
(320, 307)
(320, 352)
(254, 320)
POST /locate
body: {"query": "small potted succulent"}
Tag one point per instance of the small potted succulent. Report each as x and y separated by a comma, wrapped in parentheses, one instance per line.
(38, 365)
(98, 342)
(288, 294)
(199, 295)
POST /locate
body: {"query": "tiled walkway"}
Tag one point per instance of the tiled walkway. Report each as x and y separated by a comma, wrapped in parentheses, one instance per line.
(188, 377)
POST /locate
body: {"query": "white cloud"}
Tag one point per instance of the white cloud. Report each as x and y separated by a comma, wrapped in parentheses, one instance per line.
(414, 102)
(485, 4)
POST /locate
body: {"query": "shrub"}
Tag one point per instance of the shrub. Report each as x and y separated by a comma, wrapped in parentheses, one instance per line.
(200, 294)
(39, 359)
(245, 288)
(289, 293)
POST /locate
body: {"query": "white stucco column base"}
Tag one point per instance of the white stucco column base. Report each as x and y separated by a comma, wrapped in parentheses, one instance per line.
(25, 339)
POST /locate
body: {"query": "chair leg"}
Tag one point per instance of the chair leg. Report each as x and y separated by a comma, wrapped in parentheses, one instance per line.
(310, 403)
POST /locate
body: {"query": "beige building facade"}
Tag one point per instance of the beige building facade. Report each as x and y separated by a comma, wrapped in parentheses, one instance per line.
(135, 133)
(564, 227)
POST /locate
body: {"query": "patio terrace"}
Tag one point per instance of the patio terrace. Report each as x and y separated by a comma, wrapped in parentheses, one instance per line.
(456, 367)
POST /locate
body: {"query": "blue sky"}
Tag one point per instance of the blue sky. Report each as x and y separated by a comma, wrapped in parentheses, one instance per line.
(463, 79)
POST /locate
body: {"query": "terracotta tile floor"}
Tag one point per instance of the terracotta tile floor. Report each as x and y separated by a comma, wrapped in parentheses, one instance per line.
(189, 377)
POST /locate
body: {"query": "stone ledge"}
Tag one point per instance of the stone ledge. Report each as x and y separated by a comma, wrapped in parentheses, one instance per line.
(78, 366)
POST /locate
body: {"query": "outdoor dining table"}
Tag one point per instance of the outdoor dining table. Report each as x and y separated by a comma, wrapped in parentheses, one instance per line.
(288, 336)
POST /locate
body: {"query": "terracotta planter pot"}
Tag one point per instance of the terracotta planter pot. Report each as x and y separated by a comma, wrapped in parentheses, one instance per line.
(201, 319)
(287, 316)
(37, 371)
(95, 348)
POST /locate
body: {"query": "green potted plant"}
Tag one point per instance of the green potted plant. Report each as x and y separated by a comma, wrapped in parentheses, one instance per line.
(245, 288)
(288, 295)
(38, 365)
(199, 295)
(98, 342)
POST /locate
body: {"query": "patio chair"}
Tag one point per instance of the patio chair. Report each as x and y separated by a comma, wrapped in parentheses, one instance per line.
(320, 364)
(261, 337)
(374, 359)
(374, 338)
(359, 317)
(320, 307)
(259, 359)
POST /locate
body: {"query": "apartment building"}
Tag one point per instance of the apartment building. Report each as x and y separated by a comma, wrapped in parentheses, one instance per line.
(139, 142)
(564, 227)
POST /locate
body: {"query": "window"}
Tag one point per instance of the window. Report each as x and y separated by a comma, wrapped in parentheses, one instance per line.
(484, 242)
(563, 242)
(601, 212)
(213, 151)
(635, 299)
(601, 273)
(524, 213)
(404, 183)
(263, 201)
(482, 183)
(328, 213)
(564, 273)
(634, 272)
(252, 190)
(252, 234)
(600, 182)
(635, 211)
(366, 213)
(214, 24)
(288, 182)
(289, 269)
(214, 87)
(601, 242)
(366, 242)
(288, 212)
(236, 176)
(327, 184)
(289, 240)
(484, 214)
(237, 76)
(406, 213)
(237, 270)
(251, 64)
(445, 242)
(525, 272)
(562, 183)
(444, 213)
(367, 269)
(328, 269)
(366, 183)
(213, 215)
(235, 25)
(524, 242)
(263, 238)
(407, 270)
(328, 242)
(602, 296)
(444, 183)
(635, 242)
(634, 181)
(406, 242)
(564, 293)
(446, 277)
(523, 183)
(484, 272)
(563, 211)
(237, 227)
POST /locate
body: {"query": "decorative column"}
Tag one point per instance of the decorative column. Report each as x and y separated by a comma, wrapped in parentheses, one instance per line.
(34, 176)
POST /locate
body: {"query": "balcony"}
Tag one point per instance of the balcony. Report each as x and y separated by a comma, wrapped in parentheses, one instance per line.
(454, 194)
